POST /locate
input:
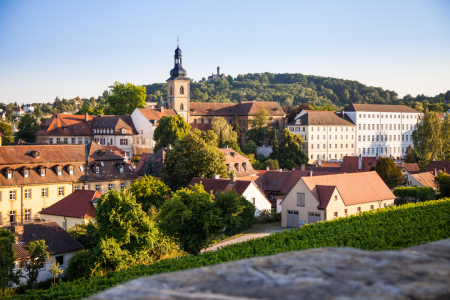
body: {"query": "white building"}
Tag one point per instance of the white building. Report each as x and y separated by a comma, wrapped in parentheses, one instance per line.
(145, 120)
(28, 108)
(382, 129)
(326, 134)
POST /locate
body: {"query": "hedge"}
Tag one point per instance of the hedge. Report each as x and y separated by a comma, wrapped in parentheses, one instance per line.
(390, 228)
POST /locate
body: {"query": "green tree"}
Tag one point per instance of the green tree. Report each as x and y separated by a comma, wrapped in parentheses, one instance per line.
(150, 167)
(191, 217)
(258, 129)
(272, 164)
(38, 257)
(194, 156)
(223, 131)
(125, 98)
(38, 112)
(8, 133)
(149, 192)
(169, 130)
(290, 148)
(54, 269)
(388, 171)
(237, 213)
(443, 184)
(8, 274)
(27, 127)
(250, 148)
(411, 155)
(238, 132)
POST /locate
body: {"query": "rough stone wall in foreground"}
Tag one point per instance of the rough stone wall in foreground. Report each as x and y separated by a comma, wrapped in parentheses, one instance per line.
(421, 272)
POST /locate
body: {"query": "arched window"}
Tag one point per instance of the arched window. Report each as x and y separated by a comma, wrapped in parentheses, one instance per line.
(182, 90)
(195, 120)
(201, 120)
(170, 90)
(181, 106)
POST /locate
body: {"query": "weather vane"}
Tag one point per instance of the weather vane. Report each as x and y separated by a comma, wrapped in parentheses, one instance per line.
(178, 41)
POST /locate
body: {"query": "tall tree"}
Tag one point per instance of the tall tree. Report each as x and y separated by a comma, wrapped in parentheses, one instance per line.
(149, 192)
(8, 274)
(258, 126)
(38, 256)
(388, 171)
(169, 130)
(8, 133)
(194, 156)
(125, 98)
(191, 218)
(28, 126)
(290, 148)
(443, 184)
(223, 131)
(150, 167)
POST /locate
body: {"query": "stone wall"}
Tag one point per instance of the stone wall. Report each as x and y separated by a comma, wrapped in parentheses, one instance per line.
(421, 272)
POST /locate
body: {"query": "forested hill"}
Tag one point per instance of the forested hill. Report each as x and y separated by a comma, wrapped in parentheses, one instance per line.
(292, 90)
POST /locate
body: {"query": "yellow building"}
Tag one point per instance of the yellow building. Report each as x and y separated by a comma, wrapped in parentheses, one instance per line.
(321, 198)
(33, 177)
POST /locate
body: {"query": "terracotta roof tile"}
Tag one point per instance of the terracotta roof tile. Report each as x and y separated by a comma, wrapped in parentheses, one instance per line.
(76, 205)
(325, 192)
(220, 185)
(412, 168)
(212, 109)
(155, 115)
(234, 159)
(426, 179)
(438, 166)
(56, 238)
(350, 164)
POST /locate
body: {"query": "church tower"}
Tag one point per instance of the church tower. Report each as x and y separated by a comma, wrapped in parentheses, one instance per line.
(178, 88)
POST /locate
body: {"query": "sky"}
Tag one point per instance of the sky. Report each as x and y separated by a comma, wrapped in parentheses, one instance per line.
(80, 48)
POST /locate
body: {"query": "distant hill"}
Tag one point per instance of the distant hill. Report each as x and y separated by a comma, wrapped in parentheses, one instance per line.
(294, 89)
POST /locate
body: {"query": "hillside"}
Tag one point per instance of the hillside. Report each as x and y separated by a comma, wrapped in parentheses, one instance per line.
(294, 89)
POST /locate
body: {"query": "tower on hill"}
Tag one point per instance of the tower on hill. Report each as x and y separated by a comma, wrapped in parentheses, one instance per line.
(178, 88)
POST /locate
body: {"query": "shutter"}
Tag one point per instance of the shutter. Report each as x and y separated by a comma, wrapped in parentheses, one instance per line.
(302, 199)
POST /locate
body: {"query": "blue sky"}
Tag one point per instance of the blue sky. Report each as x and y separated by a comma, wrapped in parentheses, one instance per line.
(79, 48)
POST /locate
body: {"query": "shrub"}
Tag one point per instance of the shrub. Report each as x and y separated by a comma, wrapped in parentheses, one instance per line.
(390, 228)
(267, 216)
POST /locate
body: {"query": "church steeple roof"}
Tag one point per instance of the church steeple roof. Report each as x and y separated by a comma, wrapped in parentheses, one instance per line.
(177, 70)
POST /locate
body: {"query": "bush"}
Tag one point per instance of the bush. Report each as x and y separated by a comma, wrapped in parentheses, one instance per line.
(390, 228)
(419, 193)
(267, 216)
(272, 164)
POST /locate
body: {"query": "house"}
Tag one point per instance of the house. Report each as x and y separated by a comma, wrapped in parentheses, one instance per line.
(33, 177)
(28, 108)
(237, 163)
(327, 135)
(146, 120)
(61, 245)
(245, 188)
(436, 167)
(73, 209)
(422, 179)
(71, 129)
(408, 168)
(18, 111)
(355, 164)
(3, 115)
(383, 130)
(320, 198)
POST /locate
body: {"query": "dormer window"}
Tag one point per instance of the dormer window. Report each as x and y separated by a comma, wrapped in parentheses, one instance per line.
(245, 166)
(81, 168)
(71, 170)
(43, 172)
(123, 131)
(26, 173)
(9, 174)
(59, 171)
(121, 168)
(97, 169)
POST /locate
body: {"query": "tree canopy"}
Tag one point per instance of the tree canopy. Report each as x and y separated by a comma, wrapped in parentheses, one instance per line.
(149, 192)
(125, 98)
(290, 152)
(196, 155)
(388, 171)
(27, 127)
(8, 274)
(169, 130)
(8, 133)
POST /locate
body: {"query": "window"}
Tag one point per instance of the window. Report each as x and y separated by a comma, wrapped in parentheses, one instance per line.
(121, 168)
(358, 209)
(50, 141)
(181, 106)
(335, 214)
(12, 195)
(384, 205)
(97, 187)
(97, 169)
(110, 186)
(28, 215)
(44, 192)
(61, 191)
(58, 140)
(80, 141)
(335, 197)
(301, 199)
(142, 141)
(76, 187)
(73, 140)
(170, 90)
(43, 172)
(371, 207)
(359, 127)
(60, 260)
(122, 185)
(9, 174)
(182, 90)
(345, 211)
(71, 170)
(253, 201)
(59, 171)
(12, 216)
(27, 194)
(81, 168)
(271, 198)
(86, 141)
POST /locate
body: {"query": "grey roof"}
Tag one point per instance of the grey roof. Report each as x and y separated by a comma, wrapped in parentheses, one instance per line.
(380, 108)
(323, 118)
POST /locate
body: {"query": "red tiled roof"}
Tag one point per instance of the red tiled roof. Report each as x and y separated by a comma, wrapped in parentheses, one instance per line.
(220, 185)
(252, 107)
(140, 167)
(76, 205)
(439, 166)
(60, 124)
(155, 115)
(56, 238)
(116, 150)
(326, 164)
(246, 108)
(426, 179)
(354, 188)
(325, 192)
(412, 168)
(350, 164)
(200, 126)
(232, 158)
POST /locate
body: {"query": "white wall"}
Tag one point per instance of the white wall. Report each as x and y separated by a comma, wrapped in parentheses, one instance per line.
(145, 130)
(261, 201)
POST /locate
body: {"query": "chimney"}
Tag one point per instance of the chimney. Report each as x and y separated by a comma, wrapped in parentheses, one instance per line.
(162, 109)
(360, 162)
(233, 179)
(435, 172)
(86, 117)
(101, 115)
(303, 167)
(267, 168)
(310, 173)
(320, 163)
(216, 176)
(445, 170)
(280, 170)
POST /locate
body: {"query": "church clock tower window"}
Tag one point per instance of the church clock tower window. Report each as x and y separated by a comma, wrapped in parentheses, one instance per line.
(182, 90)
